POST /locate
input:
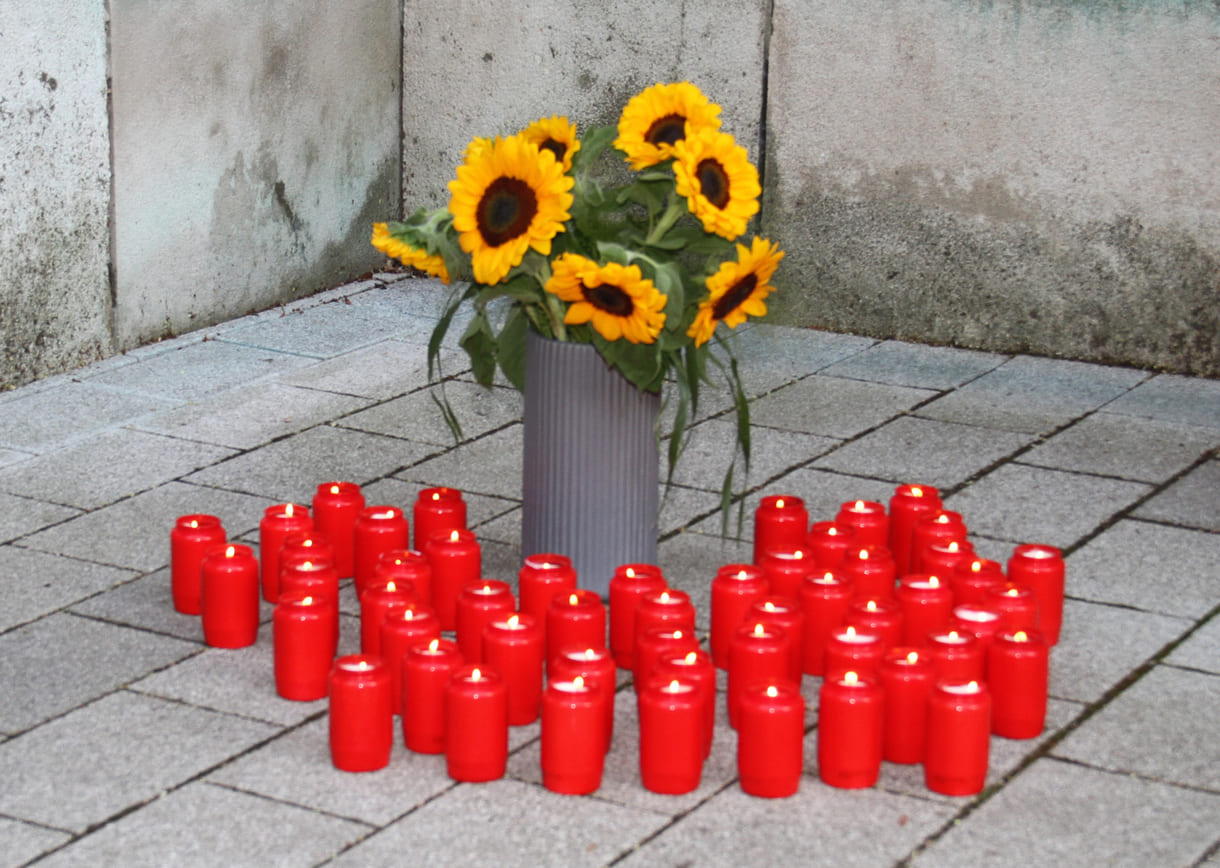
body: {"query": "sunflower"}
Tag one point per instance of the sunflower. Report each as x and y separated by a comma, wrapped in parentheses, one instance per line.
(556, 135)
(737, 290)
(719, 182)
(616, 298)
(657, 118)
(408, 255)
(508, 196)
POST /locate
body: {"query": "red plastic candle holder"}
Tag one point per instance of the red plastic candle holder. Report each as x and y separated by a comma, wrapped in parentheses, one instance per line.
(957, 743)
(361, 717)
(850, 730)
(320, 580)
(278, 522)
(785, 613)
(597, 668)
(336, 506)
(908, 505)
(378, 529)
(829, 541)
(942, 558)
(882, 618)
(907, 675)
(655, 643)
(781, 521)
(771, 740)
(629, 584)
(437, 511)
(540, 578)
(671, 751)
(943, 526)
(666, 608)
(378, 601)
(400, 629)
(573, 737)
(957, 655)
(734, 590)
(1018, 670)
(476, 724)
(927, 605)
(786, 568)
(426, 668)
(512, 645)
(576, 619)
(230, 596)
(1041, 568)
(1017, 605)
(457, 561)
(981, 621)
(869, 520)
(478, 604)
(824, 601)
(871, 571)
(696, 667)
(306, 546)
(758, 654)
(849, 649)
(303, 645)
(189, 541)
(974, 579)
(406, 566)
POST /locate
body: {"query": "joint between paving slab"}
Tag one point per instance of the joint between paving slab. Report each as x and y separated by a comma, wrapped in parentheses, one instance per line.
(675, 819)
(378, 830)
(279, 801)
(1139, 776)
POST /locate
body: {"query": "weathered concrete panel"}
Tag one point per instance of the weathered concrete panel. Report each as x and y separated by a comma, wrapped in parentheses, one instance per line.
(486, 68)
(54, 188)
(1017, 176)
(254, 146)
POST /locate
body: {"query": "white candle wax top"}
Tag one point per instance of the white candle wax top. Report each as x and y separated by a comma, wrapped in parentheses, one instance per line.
(978, 616)
(856, 638)
(356, 666)
(962, 689)
(952, 638)
(1038, 554)
(576, 685)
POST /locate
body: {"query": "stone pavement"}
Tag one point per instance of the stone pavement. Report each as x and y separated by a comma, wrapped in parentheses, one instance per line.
(124, 740)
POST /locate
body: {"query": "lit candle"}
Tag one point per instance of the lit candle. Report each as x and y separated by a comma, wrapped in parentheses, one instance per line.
(667, 608)
(512, 645)
(1017, 605)
(576, 619)
(629, 584)
(882, 618)
(477, 604)
(671, 761)
(906, 677)
(848, 649)
(785, 613)
(540, 578)
(824, 602)
(426, 668)
(335, 508)
(829, 542)
(309, 545)
(956, 655)
(927, 605)
(277, 522)
(476, 724)
(696, 667)
(597, 667)
(850, 730)
(456, 561)
(377, 529)
(377, 602)
(189, 541)
(230, 596)
(734, 589)
(942, 557)
(758, 654)
(400, 629)
(655, 643)
(974, 579)
(872, 573)
(868, 519)
(786, 568)
(909, 504)
(437, 511)
(361, 716)
(984, 623)
(780, 521)
(319, 580)
(958, 741)
(573, 737)
(1040, 567)
(771, 740)
(406, 567)
(303, 646)
(1018, 669)
(941, 527)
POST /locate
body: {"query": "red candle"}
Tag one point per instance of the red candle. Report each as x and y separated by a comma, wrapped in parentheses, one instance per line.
(597, 668)
(437, 511)
(405, 566)
(868, 519)
(909, 504)
(477, 604)
(829, 542)
(307, 545)
(540, 578)
(512, 645)
(378, 529)
(426, 668)
(189, 541)
(573, 737)
(848, 649)
(974, 579)
(907, 675)
(883, 618)
(734, 589)
(872, 573)
(629, 584)
(958, 738)
(942, 558)
(943, 526)
(984, 623)
(824, 602)
(656, 643)
(957, 656)
(850, 730)
(302, 637)
(696, 667)
(771, 740)
(781, 521)
(319, 580)
(1017, 606)
(671, 760)
(1018, 669)
(758, 654)
(668, 608)
(377, 602)
(1040, 567)
(785, 613)
(927, 605)
(476, 724)
(361, 717)
(335, 508)
(456, 561)
(277, 522)
(400, 629)
(786, 568)
(576, 619)
(230, 596)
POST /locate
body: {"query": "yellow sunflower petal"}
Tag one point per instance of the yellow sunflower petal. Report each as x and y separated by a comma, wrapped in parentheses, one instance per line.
(655, 119)
(719, 182)
(617, 300)
(408, 255)
(737, 289)
(554, 134)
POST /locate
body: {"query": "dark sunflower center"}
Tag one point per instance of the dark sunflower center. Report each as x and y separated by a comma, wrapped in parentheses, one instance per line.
(666, 130)
(610, 299)
(737, 293)
(713, 182)
(506, 210)
(556, 147)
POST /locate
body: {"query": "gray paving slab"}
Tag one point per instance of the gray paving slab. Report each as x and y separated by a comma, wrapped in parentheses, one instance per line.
(770, 357)
(480, 508)
(1193, 501)
(205, 824)
(56, 663)
(21, 842)
(519, 822)
(419, 298)
(134, 533)
(34, 583)
(384, 370)
(1173, 398)
(106, 468)
(117, 752)
(296, 768)
(680, 506)
(1148, 566)
(1129, 447)
(146, 603)
(490, 465)
(22, 515)
(12, 456)
(905, 364)
(1201, 650)
(504, 528)
(1034, 395)
(713, 445)
(943, 454)
(833, 406)
(292, 468)
(45, 419)
(1021, 503)
(1055, 813)
(1100, 644)
(417, 417)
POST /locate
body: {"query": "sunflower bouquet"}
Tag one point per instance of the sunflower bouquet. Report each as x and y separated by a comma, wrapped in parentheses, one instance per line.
(642, 260)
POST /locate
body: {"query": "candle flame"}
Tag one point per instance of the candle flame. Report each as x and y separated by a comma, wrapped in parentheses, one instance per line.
(864, 554)
(486, 588)
(630, 573)
(288, 510)
(434, 645)
(953, 635)
(742, 574)
(760, 630)
(859, 507)
(436, 495)
(976, 566)
(828, 576)
(1013, 592)
(665, 596)
(850, 677)
(579, 681)
(307, 565)
(408, 614)
(573, 600)
(916, 491)
(933, 581)
(678, 633)
(850, 631)
(768, 606)
(871, 605)
(913, 657)
(193, 523)
(307, 601)
(772, 691)
(691, 658)
(973, 685)
(363, 666)
(779, 504)
(799, 554)
(475, 674)
(307, 542)
(1020, 636)
(942, 519)
(390, 586)
(953, 546)
(334, 489)
(674, 686)
(514, 620)
(832, 531)
(454, 536)
(590, 654)
(230, 551)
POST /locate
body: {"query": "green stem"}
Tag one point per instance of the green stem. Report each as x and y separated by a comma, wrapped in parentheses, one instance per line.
(674, 209)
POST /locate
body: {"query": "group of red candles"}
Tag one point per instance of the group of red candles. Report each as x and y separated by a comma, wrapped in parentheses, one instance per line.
(920, 670)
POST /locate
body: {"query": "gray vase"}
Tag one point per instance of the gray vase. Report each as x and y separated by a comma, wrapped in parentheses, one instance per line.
(590, 469)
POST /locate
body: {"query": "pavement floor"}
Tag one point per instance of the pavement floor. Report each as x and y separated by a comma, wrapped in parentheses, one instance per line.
(125, 740)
